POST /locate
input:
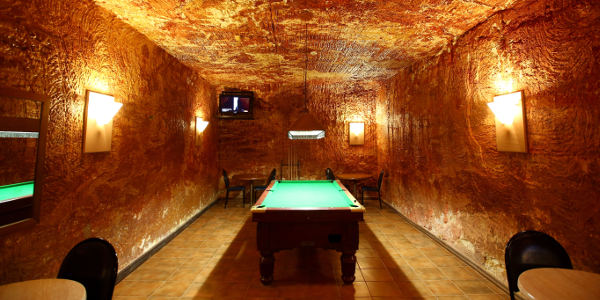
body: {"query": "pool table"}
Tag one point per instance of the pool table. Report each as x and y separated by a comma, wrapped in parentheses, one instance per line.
(16, 191)
(309, 213)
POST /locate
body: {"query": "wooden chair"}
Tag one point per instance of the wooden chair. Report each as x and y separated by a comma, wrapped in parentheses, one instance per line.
(93, 263)
(264, 187)
(374, 189)
(530, 250)
(329, 174)
(233, 189)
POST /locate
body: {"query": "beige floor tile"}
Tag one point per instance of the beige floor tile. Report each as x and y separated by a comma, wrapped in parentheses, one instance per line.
(143, 288)
(411, 251)
(403, 274)
(491, 286)
(430, 273)
(121, 287)
(170, 263)
(376, 275)
(136, 274)
(414, 288)
(232, 289)
(204, 253)
(419, 262)
(457, 273)
(366, 253)
(370, 263)
(402, 244)
(157, 275)
(383, 289)
(475, 273)
(444, 261)
(172, 289)
(443, 287)
(394, 262)
(485, 297)
(356, 289)
(473, 287)
(190, 244)
(195, 263)
(184, 275)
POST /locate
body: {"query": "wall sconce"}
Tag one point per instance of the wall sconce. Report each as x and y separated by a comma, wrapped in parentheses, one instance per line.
(99, 111)
(357, 133)
(200, 126)
(510, 122)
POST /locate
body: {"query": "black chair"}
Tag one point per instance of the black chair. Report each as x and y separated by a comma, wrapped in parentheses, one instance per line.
(530, 250)
(329, 174)
(264, 187)
(233, 189)
(374, 189)
(94, 264)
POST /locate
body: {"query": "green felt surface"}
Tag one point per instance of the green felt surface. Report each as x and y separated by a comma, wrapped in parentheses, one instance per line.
(16, 190)
(306, 193)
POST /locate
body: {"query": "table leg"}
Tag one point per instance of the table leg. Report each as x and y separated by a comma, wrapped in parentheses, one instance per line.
(267, 265)
(348, 265)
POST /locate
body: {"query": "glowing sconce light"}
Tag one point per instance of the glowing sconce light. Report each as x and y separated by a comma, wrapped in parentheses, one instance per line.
(99, 112)
(510, 122)
(505, 107)
(357, 133)
(200, 126)
(102, 108)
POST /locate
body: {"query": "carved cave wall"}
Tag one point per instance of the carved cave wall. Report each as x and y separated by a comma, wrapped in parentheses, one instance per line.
(152, 181)
(437, 135)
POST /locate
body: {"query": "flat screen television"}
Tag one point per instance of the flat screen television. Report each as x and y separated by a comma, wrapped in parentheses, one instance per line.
(236, 104)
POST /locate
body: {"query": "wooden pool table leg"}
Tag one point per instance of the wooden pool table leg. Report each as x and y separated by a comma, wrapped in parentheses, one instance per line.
(267, 264)
(348, 265)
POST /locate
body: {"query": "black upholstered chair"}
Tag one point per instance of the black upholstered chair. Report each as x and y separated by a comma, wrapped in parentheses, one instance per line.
(374, 189)
(329, 174)
(264, 187)
(93, 263)
(233, 189)
(530, 250)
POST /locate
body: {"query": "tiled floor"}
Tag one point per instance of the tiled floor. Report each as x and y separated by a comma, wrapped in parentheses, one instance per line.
(216, 258)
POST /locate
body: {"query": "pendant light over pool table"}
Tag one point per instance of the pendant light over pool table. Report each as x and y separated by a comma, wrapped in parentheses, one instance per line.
(306, 127)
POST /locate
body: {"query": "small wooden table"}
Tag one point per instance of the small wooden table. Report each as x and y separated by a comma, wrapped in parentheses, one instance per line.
(354, 177)
(49, 289)
(250, 177)
(557, 284)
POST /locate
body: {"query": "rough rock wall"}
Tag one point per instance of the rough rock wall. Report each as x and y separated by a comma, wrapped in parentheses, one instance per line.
(153, 179)
(259, 145)
(437, 135)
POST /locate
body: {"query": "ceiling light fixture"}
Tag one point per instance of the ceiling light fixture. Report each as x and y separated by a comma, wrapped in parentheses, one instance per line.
(306, 127)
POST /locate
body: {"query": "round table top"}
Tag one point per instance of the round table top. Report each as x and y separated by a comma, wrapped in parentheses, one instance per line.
(556, 284)
(353, 176)
(50, 289)
(250, 176)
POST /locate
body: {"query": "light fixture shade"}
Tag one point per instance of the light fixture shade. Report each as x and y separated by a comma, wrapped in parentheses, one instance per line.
(357, 133)
(200, 125)
(505, 107)
(102, 107)
(306, 128)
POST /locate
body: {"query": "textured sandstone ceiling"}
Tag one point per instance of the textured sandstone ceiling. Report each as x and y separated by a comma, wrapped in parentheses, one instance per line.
(231, 41)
